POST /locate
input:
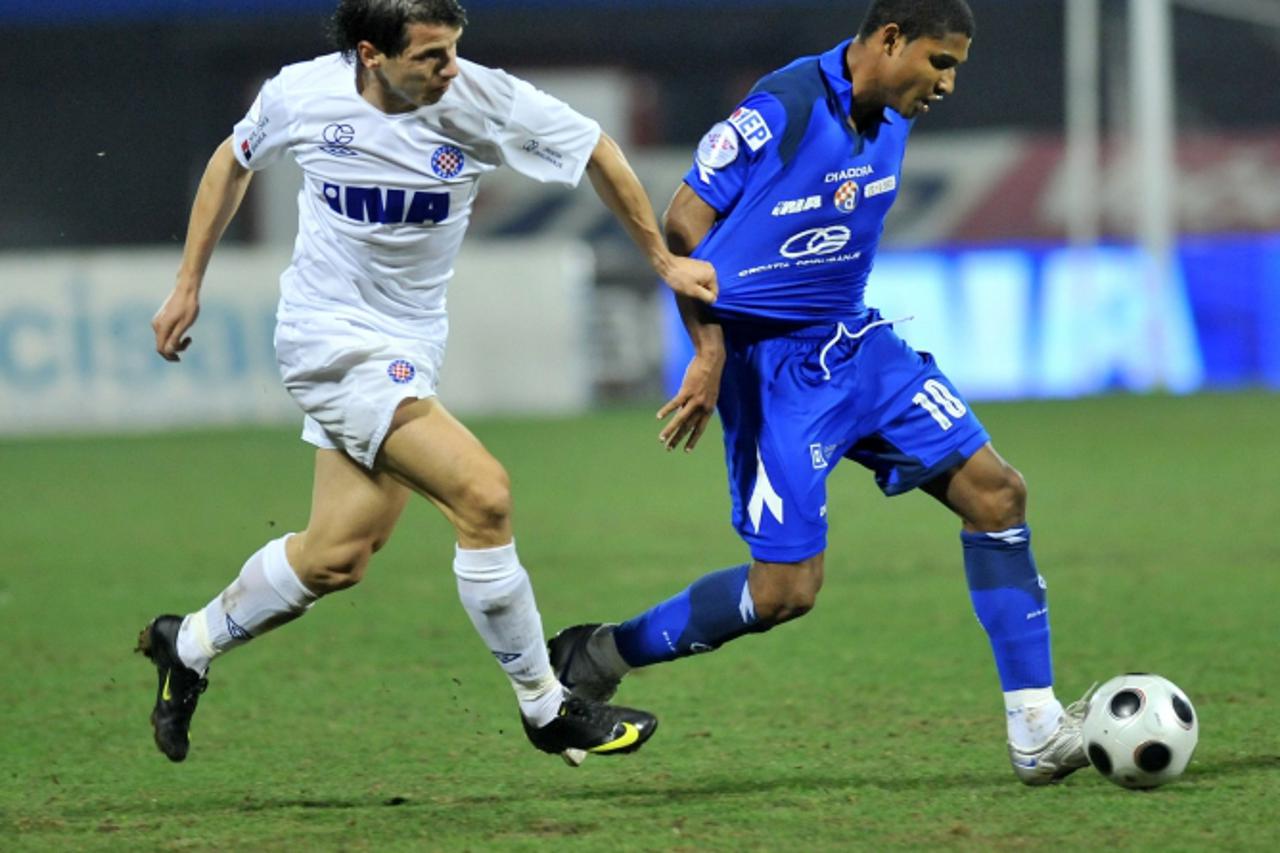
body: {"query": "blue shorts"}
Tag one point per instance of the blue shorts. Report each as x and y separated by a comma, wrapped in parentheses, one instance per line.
(794, 404)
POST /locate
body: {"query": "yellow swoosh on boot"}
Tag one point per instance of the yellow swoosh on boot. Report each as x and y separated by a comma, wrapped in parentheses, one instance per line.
(630, 734)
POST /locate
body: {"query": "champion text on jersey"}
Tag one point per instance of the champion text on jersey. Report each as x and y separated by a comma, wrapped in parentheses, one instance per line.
(374, 204)
(755, 131)
(719, 147)
(798, 205)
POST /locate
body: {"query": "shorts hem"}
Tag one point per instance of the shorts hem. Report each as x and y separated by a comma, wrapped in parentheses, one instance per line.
(796, 554)
(967, 448)
(384, 425)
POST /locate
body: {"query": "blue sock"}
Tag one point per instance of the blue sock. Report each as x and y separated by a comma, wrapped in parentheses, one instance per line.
(715, 609)
(1009, 599)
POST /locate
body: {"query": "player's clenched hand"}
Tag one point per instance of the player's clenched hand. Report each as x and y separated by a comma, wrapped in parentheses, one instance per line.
(694, 404)
(693, 278)
(175, 317)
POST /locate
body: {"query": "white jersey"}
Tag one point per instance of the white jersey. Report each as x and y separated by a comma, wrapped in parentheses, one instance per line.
(386, 198)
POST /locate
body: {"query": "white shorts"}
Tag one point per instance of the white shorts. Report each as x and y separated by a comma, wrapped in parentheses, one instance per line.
(348, 375)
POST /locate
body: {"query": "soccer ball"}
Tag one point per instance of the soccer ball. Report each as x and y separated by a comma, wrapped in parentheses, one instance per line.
(1140, 730)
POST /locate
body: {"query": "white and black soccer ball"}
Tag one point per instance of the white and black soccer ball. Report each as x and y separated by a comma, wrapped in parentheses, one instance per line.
(1140, 730)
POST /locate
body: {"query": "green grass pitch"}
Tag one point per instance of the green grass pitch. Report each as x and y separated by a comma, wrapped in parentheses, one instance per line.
(380, 722)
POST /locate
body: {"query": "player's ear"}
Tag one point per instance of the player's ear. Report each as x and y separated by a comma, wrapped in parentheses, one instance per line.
(891, 39)
(369, 56)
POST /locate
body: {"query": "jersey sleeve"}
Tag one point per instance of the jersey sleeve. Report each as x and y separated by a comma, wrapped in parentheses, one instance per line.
(545, 138)
(259, 138)
(732, 148)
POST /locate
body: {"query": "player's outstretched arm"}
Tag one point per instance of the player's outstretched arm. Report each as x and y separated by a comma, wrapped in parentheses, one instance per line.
(620, 190)
(221, 190)
(687, 220)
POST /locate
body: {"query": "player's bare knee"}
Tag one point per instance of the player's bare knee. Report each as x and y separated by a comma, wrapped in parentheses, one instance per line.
(336, 567)
(485, 505)
(781, 606)
(786, 592)
(1003, 504)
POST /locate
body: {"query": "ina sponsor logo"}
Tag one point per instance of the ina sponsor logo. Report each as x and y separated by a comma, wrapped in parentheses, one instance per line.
(797, 205)
(386, 206)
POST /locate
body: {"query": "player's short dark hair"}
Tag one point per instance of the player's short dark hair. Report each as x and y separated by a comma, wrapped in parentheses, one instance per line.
(917, 18)
(384, 23)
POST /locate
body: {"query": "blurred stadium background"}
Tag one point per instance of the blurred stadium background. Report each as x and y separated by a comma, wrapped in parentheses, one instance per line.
(1097, 209)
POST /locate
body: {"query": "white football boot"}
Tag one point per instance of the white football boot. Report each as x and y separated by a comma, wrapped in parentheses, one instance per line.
(1061, 755)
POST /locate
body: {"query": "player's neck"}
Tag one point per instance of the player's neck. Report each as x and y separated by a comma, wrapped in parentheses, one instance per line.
(372, 89)
(868, 110)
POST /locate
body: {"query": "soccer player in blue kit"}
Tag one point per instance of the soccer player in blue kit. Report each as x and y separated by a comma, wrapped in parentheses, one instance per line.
(787, 199)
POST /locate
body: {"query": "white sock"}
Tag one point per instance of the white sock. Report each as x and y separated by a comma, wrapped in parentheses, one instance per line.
(495, 590)
(266, 594)
(1032, 716)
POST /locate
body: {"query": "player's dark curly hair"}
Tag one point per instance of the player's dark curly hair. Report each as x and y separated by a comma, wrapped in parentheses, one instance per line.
(916, 18)
(383, 23)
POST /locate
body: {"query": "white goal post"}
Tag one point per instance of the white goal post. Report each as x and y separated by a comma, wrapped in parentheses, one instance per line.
(1151, 93)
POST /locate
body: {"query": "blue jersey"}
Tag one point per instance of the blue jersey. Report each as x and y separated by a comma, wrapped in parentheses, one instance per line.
(802, 196)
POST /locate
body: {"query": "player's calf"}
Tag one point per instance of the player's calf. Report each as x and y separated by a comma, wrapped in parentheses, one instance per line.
(265, 595)
(713, 610)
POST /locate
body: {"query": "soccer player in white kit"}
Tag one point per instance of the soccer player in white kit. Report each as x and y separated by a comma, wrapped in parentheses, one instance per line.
(392, 133)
